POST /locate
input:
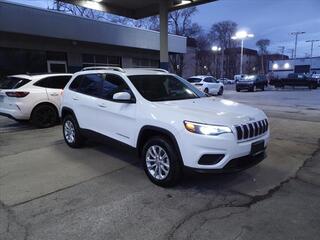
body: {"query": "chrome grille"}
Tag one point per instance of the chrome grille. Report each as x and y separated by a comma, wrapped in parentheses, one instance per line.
(251, 130)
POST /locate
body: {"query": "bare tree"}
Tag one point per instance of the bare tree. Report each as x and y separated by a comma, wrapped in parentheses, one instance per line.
(221, 33)
(78, 11)
(262, 45)
(180, 23)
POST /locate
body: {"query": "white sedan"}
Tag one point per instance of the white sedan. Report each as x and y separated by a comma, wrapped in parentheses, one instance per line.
(207, 84)
(32, 97)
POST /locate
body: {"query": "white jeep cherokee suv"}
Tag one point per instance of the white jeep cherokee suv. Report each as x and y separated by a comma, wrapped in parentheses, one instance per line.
(34, 97)
(171, 123)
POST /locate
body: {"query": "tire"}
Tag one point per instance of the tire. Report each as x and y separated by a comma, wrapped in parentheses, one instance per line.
(206, 91)
(170, 167)
(220, 91)
(262, 89)
(238, 89)
(71, 132)
(44, 116)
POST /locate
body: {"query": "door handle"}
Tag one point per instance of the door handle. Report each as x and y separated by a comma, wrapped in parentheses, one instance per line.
(54, 94)
(75, 99)
(102, 105)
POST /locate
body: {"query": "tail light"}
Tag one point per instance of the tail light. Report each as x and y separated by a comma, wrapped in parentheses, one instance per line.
(198, 84)
(17, 94)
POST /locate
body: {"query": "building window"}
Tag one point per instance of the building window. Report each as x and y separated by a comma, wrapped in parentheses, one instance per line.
(89, 60)
(142, 62)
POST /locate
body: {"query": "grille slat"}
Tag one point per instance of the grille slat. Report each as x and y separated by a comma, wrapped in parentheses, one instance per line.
(251, 130)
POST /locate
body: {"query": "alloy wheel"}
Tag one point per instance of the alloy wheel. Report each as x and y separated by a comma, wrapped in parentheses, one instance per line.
(158, 162)
(69, 131)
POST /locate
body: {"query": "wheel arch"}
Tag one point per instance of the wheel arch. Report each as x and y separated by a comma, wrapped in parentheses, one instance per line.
(148, 131)
(45, 103)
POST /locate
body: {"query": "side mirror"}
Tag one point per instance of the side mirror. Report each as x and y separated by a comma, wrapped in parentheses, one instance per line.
(123, 97)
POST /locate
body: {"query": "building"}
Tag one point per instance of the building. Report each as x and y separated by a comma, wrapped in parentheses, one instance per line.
(272, 57)
(232, 61)
(38, 40)
(281, 68)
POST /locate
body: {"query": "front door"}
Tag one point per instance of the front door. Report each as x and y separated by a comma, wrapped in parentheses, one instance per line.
(116, 119)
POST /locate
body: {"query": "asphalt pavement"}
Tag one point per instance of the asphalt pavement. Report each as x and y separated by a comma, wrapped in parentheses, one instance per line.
(49, 191)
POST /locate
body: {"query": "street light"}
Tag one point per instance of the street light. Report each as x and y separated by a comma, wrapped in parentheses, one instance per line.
(216, 49)
(242, 35)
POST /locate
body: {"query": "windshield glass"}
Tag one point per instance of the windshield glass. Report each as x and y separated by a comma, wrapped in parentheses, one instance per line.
(249, 78)
(12, 82)
(164, 87)
(194, 80)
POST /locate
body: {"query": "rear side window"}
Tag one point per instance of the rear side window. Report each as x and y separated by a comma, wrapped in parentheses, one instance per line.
(57, 82)
(208, 80)
(194, 80)
(12, 82)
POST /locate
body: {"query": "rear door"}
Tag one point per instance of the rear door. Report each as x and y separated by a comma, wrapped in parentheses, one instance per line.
(54, 87)
(85, 100)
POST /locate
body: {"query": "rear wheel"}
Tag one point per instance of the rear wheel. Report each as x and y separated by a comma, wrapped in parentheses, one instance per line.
(71, 132)
(44, 115)
(238, 89)
(161, 162)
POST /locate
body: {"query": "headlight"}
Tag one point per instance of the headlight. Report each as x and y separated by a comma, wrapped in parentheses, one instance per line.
(206, 129)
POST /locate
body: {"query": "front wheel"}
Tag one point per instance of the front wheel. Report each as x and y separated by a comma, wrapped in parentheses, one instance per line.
(220, 91)
(161, 162)
(206, 91)
(71, 132)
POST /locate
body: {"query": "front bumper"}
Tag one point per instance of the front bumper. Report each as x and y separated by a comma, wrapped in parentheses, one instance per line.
(194, 146)
(244, 86)
(234, 165)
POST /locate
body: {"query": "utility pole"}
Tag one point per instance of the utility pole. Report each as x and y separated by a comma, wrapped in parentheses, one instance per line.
(281, 49)
(296, 41)
(312, 42)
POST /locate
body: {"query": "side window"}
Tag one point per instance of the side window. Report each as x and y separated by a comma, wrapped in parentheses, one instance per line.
(208, 80)
(60, 82)
(75, 83)
(57, 82)
(90, 84)
(43, 83)
(113, 84)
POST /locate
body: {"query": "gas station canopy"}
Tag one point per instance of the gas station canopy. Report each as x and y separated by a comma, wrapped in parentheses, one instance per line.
(135, 8)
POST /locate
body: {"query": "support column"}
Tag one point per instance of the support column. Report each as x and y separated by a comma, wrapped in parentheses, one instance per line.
(164, 55)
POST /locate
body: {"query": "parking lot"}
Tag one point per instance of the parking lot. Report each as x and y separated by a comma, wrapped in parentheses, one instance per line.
(50, 191)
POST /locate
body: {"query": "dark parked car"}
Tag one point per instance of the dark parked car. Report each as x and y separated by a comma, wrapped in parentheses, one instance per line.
(295, 79)
(252, 83)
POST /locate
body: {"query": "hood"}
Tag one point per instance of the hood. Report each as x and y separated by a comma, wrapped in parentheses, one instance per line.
(214, 110)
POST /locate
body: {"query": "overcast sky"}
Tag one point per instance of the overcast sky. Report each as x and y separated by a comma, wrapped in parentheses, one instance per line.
(272, 19)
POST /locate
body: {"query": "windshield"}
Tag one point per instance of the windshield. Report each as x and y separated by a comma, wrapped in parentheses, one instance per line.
(164, 87)
(12, 82)
(248, 78)
(194, 80)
